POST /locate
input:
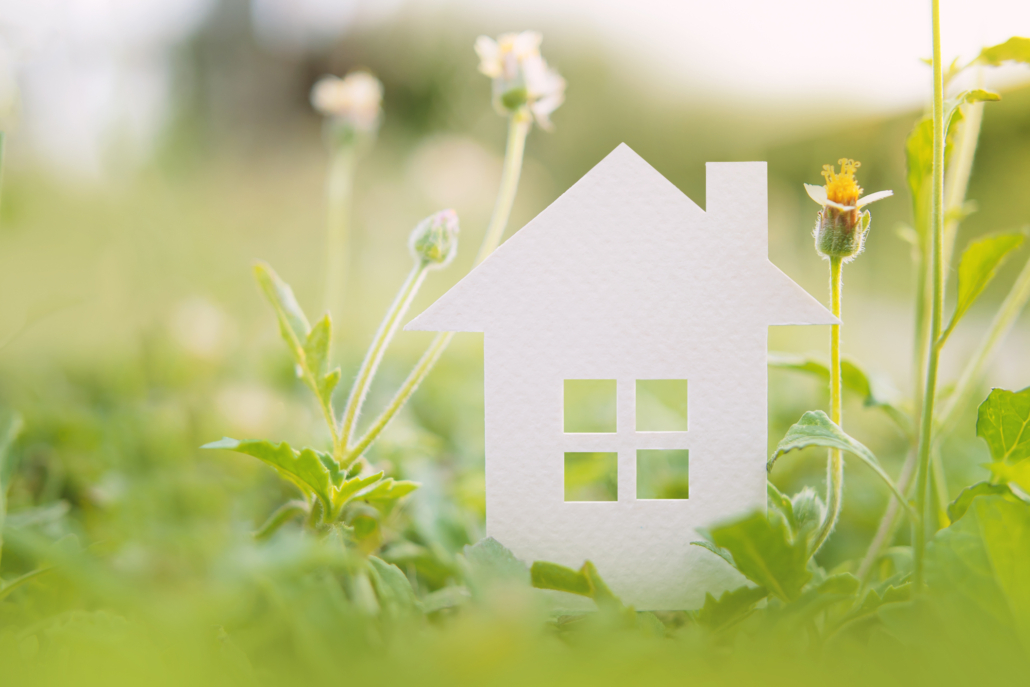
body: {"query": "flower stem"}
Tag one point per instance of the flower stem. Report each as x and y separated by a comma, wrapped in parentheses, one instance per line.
(518, 127)
(376, 350)
(937, 305)
(835, 459)
(339, 190)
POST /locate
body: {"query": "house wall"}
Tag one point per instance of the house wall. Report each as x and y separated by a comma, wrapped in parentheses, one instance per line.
(641, 548)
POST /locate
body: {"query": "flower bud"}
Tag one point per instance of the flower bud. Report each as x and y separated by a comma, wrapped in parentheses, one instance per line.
(434, 240)
(842, 225)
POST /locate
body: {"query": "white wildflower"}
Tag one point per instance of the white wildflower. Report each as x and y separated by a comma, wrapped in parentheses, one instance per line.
(520, 75)
(354, 99)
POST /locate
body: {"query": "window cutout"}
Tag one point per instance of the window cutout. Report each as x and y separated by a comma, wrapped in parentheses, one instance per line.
(591, 476)
(661, 405)
(589, 405)
(662, 474)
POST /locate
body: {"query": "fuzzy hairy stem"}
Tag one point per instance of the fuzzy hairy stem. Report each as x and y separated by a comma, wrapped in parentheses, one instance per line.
(376, 350)
(937, 306)
(835, 459)
(519, 124)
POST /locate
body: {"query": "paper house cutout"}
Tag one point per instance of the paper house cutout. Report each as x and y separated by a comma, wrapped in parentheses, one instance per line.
(623, 277)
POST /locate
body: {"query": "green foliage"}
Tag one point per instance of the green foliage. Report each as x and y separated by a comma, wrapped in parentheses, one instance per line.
(583, 582)
(766, 552)
(875, 390)
(304, 468)
(958, 507)
(8, 435)
(977, 267)
(1015, 49)
(730, 608)
(309, 346)
(816, 429)
(979, 568)
(1003, 421)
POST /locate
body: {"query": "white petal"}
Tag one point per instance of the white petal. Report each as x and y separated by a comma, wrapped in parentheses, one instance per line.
(873, 197)
(527, 43)
(489, 56)
(834, 204)
(817, 193)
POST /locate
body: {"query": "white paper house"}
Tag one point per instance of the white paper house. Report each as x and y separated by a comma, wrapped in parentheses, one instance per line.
(624, 278)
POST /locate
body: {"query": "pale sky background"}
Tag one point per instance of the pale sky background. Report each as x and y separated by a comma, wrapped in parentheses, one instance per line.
(79, 69)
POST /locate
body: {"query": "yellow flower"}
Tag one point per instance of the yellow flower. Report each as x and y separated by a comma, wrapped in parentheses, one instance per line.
(841, 226)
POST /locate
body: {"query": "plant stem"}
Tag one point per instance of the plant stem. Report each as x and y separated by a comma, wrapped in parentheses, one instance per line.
(377, 349)
(339, 190)
(519, 124)
(835, 459)
(973, 371)
(937, 307)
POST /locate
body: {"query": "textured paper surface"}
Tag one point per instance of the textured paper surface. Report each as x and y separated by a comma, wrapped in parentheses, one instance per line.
(624, 277)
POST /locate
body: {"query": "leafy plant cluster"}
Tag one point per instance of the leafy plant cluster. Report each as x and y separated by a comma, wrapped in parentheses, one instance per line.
(353, 581)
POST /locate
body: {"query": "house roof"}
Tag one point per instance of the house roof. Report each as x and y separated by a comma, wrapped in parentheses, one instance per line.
(624, 244)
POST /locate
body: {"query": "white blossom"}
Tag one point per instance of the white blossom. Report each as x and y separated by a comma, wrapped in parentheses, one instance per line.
(354, 99)
(521, 75)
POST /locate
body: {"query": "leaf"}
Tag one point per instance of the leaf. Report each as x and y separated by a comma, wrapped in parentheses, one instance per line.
(974, 95)
(1003, 421)
(958, 507)
(721, 553)
(446, 598)
(292, 322)
(316, 355)
(816, 429)
(7, 587)
(585, 582)
(732, 607)
(1017, 474)
(874, 390)
(1015, 49)
(979, 569)
(489, 560)
(390, 489)
(834, 589)
(305, 469)
(354, 486)
(764, 552)
(393, 590)
(8, 435)
(977, 267)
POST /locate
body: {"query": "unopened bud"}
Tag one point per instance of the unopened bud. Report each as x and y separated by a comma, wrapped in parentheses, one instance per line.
(435, 239)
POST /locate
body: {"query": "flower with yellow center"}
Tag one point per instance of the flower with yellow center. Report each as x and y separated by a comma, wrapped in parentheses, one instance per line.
(521, 77)
(841, 226)
(353, 101)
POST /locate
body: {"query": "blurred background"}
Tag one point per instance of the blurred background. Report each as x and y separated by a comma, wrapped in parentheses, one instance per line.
(157, 148)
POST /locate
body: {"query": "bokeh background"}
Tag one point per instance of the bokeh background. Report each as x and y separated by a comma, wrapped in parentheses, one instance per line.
(157, 148)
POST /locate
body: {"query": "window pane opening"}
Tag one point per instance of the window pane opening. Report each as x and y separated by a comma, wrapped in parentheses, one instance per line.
(661, 405)
(663, 474)
(591, 476)
(589, 405)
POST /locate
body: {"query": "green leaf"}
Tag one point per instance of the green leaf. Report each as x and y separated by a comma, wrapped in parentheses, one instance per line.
(353, 487)
(585, 582)
(977, 267)
(765, 553)
(304, 468)
(8, 435)
(721, 553)
(489, 560)
(974, 95)
(958, 507)
(7, 587)
(841, 587)
(292, 322)
(1003, 421)
(393, 589)
(316, 354)
(874, 390)
(732, 607)
(979, 569)
(390, 490)
(1012, 473)
(446, 598)
(816, 429)
(1015, 49)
